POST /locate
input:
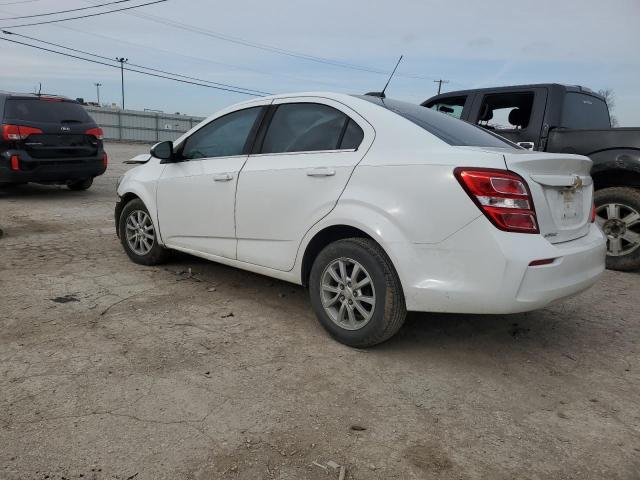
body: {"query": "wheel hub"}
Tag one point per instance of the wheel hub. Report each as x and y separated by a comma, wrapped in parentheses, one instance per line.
(614, 227)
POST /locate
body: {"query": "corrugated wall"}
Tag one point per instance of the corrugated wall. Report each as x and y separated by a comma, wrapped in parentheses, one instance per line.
(137, 126)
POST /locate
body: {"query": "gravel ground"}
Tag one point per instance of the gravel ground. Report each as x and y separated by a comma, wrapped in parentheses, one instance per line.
(195, 370)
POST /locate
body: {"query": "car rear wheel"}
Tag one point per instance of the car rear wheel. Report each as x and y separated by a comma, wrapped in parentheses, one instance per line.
(618, 214)
(356, 293)
(138, 235)
(80, 184)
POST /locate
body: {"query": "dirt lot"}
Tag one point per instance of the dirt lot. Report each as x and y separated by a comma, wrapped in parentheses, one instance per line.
(113, 370)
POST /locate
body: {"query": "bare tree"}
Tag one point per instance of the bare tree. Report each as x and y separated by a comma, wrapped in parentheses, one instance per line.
(610, 100)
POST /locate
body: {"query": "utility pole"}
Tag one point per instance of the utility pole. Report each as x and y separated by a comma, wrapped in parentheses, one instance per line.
(98, 85)
(440, 82)
(122, 61)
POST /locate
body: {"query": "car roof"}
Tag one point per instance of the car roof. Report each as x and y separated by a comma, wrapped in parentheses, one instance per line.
(8, 94)
(510, 88)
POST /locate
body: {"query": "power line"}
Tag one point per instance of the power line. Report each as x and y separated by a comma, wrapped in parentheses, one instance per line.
(6, 32)
(269, 48)
(66, 11)
(131, 69)
(85, 16)
(18, 3)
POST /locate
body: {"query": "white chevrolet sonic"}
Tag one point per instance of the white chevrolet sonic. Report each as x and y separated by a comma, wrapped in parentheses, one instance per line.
(377, 206)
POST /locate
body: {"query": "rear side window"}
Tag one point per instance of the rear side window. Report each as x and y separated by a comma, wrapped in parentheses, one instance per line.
(448, 129)
(45, 111)
(223, 137)
(506, 111)
(308, 127)
(582, 111)
(451, 106)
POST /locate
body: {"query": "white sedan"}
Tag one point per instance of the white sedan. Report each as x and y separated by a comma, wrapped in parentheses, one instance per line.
(377, 206)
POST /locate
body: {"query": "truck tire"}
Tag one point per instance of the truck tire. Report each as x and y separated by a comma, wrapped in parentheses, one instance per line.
(355, 292)
(618, 214)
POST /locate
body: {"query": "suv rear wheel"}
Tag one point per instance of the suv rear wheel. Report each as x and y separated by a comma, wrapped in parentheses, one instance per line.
(80, 184)
(356, 293)
(138, 235)
(618, 214)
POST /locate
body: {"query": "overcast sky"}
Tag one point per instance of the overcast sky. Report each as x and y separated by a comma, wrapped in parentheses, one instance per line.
(470, 43)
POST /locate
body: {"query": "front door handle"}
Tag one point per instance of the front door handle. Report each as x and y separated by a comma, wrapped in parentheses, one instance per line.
(527, 145)
(222, 177)
(321, 172)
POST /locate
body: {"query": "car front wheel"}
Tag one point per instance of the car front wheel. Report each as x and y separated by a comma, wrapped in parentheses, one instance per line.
(138, 235)
(356, 293)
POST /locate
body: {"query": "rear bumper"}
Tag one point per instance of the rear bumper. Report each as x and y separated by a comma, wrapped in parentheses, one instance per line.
(481, 269)
(55, 170)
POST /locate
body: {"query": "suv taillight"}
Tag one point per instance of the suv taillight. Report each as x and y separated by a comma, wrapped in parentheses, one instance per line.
(17, 132)
(96, 132)
(502, 196)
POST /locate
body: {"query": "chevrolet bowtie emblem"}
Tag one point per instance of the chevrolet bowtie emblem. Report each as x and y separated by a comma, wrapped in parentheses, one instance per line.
(577, 183)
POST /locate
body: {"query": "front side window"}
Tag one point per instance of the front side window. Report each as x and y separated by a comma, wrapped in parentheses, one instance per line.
(223, 137)
(506, 111)
(451, 106)
(308, 127)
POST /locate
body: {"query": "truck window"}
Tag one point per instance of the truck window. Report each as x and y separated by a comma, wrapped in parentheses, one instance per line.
(450, 130)
(506, 111)
(451, 106)
(583, 112)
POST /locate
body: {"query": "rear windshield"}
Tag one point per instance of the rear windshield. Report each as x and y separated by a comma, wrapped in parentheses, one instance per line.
(448, 129)
(582, 111)
(46, 111)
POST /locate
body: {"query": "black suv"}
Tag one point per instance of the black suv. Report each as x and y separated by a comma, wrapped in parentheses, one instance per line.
(48, 139)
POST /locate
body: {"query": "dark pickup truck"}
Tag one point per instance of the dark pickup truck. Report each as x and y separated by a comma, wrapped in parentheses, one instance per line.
(567, 119)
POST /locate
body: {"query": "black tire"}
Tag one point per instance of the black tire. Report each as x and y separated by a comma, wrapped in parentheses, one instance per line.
(158, 254)
(80, 185)
(389, 311)
(629, 199)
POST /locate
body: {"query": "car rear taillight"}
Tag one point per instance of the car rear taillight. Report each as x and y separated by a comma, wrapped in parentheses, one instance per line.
(17, 132)
(502, 196)
(105, 159)
(96, 132)
(15, 162)
(593, 212)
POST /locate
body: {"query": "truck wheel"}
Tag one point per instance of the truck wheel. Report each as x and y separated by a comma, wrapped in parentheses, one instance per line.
(618, 214)
(138, 235)
(356, 293)
(80, 185)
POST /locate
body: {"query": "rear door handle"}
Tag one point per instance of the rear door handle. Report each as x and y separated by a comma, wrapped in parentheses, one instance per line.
(321, 172)
(222, 177)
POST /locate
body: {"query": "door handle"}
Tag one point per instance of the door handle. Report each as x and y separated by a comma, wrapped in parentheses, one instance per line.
(527, 145)
(321, 172)
(222, 177)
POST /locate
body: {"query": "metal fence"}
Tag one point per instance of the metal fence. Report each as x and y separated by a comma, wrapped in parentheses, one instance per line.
(137, 126)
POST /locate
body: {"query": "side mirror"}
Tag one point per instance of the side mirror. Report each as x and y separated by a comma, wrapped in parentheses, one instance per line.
(163, 151)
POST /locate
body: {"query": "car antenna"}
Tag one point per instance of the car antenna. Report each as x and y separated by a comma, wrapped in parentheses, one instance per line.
(39, 88)
(381, 94)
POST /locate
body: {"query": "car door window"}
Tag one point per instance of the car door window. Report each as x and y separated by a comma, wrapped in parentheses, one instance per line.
(451, 106)
(353, 136)
(506, 111)
(306, 127)
(223, 137)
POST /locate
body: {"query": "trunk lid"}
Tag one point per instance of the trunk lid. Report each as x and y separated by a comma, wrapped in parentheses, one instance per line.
(562, 191)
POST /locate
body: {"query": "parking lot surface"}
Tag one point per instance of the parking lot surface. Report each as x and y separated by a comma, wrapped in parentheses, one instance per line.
(193, 370)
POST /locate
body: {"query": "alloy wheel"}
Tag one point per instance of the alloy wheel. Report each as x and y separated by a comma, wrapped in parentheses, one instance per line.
(347, 293)
(621, 224)
(140, 232)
